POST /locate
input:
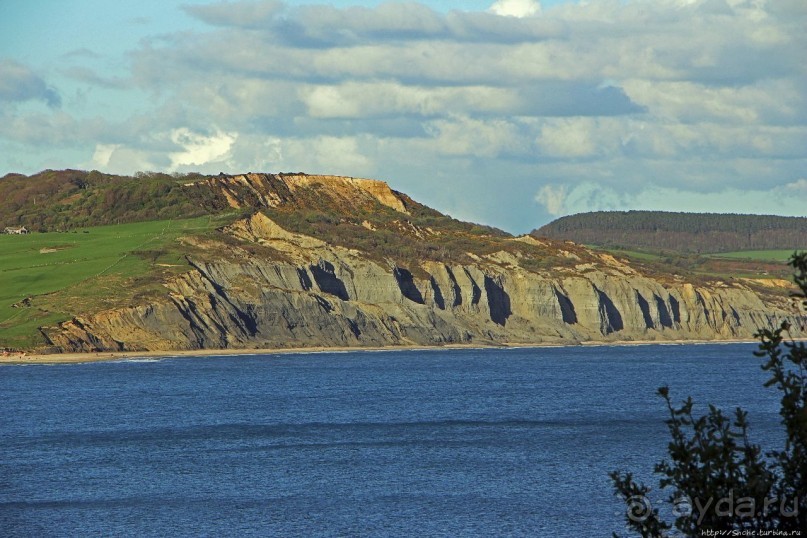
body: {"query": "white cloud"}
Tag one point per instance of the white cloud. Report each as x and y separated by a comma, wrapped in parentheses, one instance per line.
(320, 154)
(567, 138)
(102, 155)
(464, 136)
(796, 189)
(365, 99)
(343, 155)
(200, 149)
(246, 14)
(126, 160)
(586, 196)
(559, 200)
(553, 198)
(516, 8)
(772, 100)
(329, 102)
(18, 83)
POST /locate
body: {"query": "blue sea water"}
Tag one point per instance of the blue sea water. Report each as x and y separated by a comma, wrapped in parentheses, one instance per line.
(488, 442)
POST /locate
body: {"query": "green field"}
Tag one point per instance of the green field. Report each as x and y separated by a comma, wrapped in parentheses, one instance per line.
(741, 264)
(756, 255)
(53, 276)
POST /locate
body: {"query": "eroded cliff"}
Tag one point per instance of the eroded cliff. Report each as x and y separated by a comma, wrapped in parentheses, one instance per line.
(316, 293)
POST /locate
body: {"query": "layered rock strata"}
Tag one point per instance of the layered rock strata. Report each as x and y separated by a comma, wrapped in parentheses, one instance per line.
(325, 295)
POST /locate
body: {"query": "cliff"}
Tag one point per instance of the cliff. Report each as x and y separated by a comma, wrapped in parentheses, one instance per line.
(269, 190)
(261, 282)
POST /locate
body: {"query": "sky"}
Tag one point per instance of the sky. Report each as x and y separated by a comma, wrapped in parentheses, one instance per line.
(505, 112)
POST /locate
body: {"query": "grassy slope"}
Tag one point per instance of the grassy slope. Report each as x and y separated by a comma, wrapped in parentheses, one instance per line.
(761, 264)
(73, 273)
(760, 255)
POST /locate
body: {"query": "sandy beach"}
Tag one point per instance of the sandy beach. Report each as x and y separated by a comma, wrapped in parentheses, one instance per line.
(68, 358)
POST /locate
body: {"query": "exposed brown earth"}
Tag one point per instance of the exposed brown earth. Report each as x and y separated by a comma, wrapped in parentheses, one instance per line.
(320, 294)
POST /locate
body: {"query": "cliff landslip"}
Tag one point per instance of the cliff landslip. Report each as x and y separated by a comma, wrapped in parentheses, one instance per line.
(336, 261)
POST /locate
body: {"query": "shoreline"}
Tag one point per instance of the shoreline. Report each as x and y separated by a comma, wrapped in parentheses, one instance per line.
(111, 356)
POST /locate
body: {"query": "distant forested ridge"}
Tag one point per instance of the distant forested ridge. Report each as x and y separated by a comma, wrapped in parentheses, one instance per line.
(680, 232)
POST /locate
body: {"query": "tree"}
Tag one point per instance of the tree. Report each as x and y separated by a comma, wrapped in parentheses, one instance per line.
(716, 478)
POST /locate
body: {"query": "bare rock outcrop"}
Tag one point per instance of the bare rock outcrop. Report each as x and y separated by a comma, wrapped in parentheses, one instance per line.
(275, 190)
(325, 295)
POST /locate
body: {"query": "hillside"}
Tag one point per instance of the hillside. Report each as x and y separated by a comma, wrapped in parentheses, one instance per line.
(294, 260)
(679, 232)
(62, 200)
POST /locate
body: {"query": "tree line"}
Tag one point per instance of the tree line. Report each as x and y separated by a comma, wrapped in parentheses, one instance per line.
(679, 232)
(62, 200)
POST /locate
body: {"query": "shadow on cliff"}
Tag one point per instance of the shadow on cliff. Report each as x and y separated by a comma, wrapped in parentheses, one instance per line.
(498, 301)
(325, 277)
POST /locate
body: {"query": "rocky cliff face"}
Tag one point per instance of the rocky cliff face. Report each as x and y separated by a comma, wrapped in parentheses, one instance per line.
(319, 294)
(270, 190)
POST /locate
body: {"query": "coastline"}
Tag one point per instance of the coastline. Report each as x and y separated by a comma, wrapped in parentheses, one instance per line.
(107, 356)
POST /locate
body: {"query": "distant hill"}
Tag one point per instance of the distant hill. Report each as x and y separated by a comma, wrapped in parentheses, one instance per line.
(679, 232)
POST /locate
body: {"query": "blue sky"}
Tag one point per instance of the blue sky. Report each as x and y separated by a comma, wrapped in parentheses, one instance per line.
(507, 112)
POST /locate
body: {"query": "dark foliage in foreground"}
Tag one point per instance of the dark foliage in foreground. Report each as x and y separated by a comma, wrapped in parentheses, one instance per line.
(716, 478)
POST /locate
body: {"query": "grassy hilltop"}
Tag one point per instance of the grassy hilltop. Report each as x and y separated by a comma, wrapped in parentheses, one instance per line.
(98, 241)
(85, 270)
(61, 200)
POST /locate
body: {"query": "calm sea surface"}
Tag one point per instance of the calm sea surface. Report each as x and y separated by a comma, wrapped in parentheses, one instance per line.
(514, 442)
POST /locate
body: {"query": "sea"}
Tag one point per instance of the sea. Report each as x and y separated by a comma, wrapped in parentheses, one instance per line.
(444, 442)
